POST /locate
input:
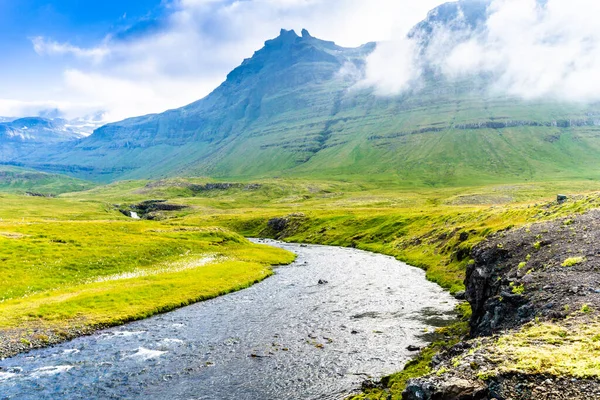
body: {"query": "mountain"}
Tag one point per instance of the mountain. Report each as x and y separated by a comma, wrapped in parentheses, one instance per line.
(281, 98)
(295, 109)
(21, 136)
(40, 130)
(473, 14)
(24, 135)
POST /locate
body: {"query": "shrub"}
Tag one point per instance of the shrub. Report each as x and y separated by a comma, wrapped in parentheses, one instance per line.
(517, 289)
(586, 309)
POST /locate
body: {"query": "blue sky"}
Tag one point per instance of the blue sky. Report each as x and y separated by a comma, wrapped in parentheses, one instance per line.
(132, 57)
(80, 22)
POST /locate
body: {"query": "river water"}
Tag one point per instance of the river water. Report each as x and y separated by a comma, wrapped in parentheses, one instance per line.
(289, 337)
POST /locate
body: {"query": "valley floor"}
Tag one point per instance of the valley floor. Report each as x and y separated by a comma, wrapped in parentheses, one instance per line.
(83, 254)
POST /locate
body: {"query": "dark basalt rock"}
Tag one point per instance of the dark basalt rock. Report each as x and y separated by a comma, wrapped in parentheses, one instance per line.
(449, 389)
(36, 194)
(519, 274)
(277, 224)
(561, 198)
(148, 206)
(462, 295)
(282, 227)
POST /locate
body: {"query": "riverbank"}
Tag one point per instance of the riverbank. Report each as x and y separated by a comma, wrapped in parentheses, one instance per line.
(535, 294)
(316, 329)
(61, 280)
(445, 250)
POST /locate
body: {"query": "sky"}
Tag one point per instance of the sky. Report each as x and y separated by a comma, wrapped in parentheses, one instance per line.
(133, 57)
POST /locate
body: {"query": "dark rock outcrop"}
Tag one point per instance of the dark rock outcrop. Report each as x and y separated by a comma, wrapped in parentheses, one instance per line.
(278, 224)
(442, 389)
(537, 272)
(282, 227)
(148, 206)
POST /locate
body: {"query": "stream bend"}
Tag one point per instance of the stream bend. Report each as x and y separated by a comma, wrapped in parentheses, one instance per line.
(289, 337)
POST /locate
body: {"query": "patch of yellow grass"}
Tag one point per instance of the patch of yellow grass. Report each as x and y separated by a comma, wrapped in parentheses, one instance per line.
(572, 350)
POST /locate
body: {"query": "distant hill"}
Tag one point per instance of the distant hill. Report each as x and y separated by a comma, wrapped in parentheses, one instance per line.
(20, 180)
(294, 110)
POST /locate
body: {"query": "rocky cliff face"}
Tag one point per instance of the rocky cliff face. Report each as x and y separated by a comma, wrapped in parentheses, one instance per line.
(543, 271)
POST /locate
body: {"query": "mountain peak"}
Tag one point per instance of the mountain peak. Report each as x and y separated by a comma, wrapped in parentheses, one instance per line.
(456, 15)
(286, 35)
(290, 36)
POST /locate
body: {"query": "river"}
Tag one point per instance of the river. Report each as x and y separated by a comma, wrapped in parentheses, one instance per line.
(315, 330)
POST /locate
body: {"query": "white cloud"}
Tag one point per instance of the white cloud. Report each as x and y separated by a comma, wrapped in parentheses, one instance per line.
(199, 42)
(393, 67)
(531, 51)
(44, 46)
(124, 98)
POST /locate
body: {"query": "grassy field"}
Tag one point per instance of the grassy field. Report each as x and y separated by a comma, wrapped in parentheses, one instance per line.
(74, 263)
(431, 229)
(20, 180)
(60, 278)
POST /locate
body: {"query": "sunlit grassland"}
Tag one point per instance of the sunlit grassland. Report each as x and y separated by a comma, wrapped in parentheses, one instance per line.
(46, 255)
(75, 260)
(20, 180)
(431, 229)
(422, 227)
(57, 276)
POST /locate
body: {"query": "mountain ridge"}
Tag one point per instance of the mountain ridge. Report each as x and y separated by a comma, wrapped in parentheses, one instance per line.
(294, 109)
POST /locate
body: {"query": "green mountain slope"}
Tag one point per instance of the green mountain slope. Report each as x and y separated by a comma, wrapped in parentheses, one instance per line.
(19, 180)
(294, 110)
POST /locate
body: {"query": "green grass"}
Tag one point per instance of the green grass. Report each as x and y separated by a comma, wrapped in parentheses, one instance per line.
(20, 180)
(60, 274)
(75, 260)
(566, 349)
(572, 261)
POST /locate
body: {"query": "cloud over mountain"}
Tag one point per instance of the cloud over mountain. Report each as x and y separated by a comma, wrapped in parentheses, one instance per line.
(528, 48)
